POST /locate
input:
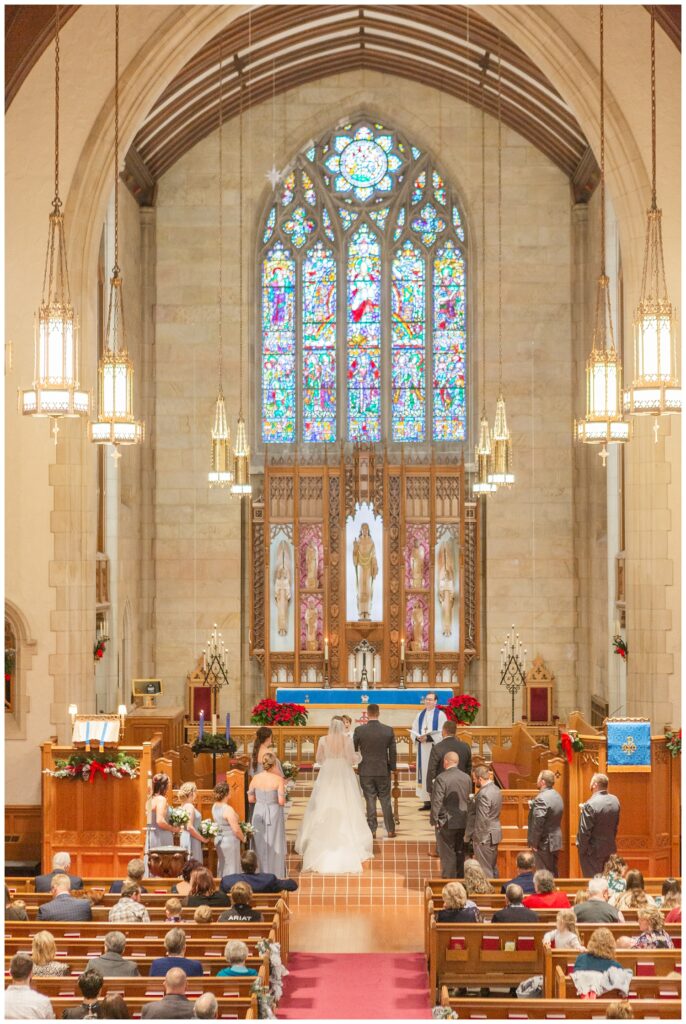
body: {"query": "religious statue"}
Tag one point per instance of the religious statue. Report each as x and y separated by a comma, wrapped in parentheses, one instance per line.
(417, 628)
(366, 570)
(312, 566)
(446, 588)
(282, 588)
(311, 622)
(417, 565)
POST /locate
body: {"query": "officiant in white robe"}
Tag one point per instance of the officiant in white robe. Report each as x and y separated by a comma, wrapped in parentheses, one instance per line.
(426, 730)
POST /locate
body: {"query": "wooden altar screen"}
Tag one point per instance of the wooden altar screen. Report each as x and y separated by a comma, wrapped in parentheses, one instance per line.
(306, 507)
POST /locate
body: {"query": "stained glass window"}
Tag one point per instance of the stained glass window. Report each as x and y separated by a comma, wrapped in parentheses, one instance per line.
(364, 336)
(449, 345)
(278, 345)
(408, 345)
(319, 345)
(363, 207)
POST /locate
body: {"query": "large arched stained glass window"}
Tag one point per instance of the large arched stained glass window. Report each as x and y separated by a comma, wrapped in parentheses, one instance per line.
(363, 297)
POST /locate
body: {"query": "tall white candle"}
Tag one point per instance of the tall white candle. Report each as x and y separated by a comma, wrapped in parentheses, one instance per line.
(402, 649)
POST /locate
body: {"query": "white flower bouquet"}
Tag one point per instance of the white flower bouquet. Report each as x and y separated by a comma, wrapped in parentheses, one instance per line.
(178, 816)
(208, 828)
(247, 830)
(290, 770)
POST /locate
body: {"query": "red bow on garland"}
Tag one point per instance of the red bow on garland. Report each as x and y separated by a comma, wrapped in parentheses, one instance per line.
(566, 744)
(95, 767)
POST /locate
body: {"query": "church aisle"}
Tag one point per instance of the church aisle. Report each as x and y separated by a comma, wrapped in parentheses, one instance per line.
(339, 928)
(355, 986)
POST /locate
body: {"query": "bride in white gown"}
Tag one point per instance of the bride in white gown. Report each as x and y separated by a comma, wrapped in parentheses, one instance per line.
(334, 836)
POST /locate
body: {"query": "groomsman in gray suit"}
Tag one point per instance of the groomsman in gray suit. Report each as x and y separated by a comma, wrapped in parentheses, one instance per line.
(376, 743)
(483, 821)
(545, 817)
(598, 824)
(449, 803)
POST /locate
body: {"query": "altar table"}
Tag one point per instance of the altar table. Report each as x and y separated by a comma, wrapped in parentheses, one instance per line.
(347, 697)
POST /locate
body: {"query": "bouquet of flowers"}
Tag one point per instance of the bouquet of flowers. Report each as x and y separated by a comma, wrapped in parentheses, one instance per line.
(620, 647)
(272, 712)
(673, 742)
(247, 830)
(178, 816)
(86, 766)
(290, 770)
(208, 828)
(462, 709)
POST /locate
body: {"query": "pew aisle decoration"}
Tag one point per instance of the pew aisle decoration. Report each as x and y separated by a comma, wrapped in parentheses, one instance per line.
(273, 712)
(462, 709)
(178, 816)
(569, 744)
(265, 1001)
(277, 970)
(673, 742)
(87, 766)
(443, 1013)
(208, 829)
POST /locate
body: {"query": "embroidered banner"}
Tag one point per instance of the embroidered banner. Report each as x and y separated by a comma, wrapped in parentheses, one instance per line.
(628, 746)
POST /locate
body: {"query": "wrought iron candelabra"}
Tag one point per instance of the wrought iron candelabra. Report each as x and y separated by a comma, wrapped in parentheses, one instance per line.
(512, 657)
(214, 661)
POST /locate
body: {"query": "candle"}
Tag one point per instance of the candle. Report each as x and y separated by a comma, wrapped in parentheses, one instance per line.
(204, 661)
(102, 737)
(214, 725)
(326, 648)
(201, 725)
(88, 735)
(228, 726)
(402, 649)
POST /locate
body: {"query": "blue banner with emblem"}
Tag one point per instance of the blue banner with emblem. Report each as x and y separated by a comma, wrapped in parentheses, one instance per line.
(628, 746)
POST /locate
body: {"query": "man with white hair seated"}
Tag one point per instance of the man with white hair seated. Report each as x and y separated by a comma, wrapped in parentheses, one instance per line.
(63, 906)
(596, 909)
(61, 862)
(206, 1007)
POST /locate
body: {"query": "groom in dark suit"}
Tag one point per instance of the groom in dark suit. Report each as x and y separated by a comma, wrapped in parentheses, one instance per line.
(376, 743)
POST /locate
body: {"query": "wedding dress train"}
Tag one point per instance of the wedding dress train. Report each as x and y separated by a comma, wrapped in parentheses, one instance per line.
(334, 836)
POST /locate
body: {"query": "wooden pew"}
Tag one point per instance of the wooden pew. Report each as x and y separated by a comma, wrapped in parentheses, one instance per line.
(211, 964)
(655, 963)
(568, 885)
(460, 955)
(518, 765)
(236, 1008)
(657, 987)
(542, 1009)
(148, 988)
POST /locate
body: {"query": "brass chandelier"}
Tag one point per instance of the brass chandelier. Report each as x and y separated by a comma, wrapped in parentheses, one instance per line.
(603, 422)
(483, 453)
(655, 388)
(220, 474)
(56, 391)
(116, 423)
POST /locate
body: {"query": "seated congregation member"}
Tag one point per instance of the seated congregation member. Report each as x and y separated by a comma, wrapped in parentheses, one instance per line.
(455, 905)
(43, 953)
(580, 896)
(515, 911)
(564, 935)
(674, 916)
(14, 910)
(111, 963)
(173, 1005)
(21, 1001)
(114, 1008)
(61, 862)
(615, 872)
(135, 872)
(619, 1009)
(63, 906)
(175, 946)
(235, 954)
(525, 878)
(202, 914)
(172, 910)
(671, 895)
(129, 909)
(183, 887)
(475, 881)
(634, 895)
(545, 894)
(206, 1007)
(241, 905)
(259, 881)
(203, 891)
(600, 952)
(89, 983)
(596, 909)
(652, 934)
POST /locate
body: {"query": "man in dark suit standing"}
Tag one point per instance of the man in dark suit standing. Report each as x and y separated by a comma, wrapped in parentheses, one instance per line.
(449, 744)
(545, 817)
(483, 823)
(449, 804)
(61, 862)
(376, 743)
(596, 837)
(63, 906)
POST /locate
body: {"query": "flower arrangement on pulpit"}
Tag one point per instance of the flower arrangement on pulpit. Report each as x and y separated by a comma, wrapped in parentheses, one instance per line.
(86, 766)
(273, 712)
(462, 709)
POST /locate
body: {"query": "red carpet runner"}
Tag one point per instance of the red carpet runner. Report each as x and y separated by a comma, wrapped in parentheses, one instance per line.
(355, 986)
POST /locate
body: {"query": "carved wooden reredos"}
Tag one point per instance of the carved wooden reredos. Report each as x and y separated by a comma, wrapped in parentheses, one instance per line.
(310, 608)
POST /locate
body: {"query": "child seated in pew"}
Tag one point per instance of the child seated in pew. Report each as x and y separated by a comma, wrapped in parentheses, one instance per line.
(235, 954)
(564, 935)
(619, 1009)
(172, 910)
(203, 914)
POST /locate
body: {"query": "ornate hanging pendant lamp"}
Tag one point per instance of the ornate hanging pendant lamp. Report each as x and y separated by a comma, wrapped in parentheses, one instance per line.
(603, 423)
(56, 391)
(483, 453)
(501, 473)
(116, 423)
(655, 388)
(220, 474)
(241, 454)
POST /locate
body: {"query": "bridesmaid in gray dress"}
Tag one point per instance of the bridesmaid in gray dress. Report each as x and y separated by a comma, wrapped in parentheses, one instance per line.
(159, 831)
(229, 838)
(191, 839)
(262, 745)
(268, 793)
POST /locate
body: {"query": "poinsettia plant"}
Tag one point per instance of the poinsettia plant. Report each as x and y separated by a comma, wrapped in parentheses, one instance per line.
(619, 646)
(462, 709)
(86, 766)
(273, 712)
(673, 742)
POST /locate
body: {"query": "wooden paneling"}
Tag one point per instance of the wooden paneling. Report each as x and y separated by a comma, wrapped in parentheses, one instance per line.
(143, 723)
(23, 832)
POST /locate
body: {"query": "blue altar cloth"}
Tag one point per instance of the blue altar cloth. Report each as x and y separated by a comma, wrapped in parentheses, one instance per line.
(628, 746)
(389, 695)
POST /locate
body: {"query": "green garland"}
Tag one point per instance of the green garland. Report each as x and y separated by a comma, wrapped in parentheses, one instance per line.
(214, 743)
(86, 766)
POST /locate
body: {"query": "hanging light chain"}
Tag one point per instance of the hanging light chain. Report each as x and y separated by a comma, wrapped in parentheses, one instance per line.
(221, 214)
(500, 222)
(57, 201)
(602, 140)
(115, 269)
(483, 240)
(241, 85)
(653, 106)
